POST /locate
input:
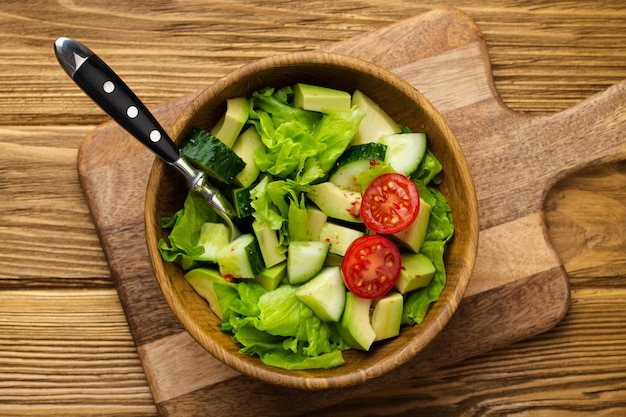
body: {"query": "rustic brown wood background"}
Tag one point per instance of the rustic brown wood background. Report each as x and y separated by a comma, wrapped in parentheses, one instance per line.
(65, 346)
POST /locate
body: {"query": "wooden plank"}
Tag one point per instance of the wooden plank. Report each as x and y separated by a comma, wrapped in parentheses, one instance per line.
(68, 352)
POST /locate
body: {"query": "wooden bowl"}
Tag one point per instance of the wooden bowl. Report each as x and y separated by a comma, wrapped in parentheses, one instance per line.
(166, 191)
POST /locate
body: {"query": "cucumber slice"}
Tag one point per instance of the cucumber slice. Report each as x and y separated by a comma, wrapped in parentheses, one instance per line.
(325, 294)
(317, 218)
(241, 258)
(213, 237)
(241, 202)
(405, 151)
(212, 156)
(355, 161)
(305, 259)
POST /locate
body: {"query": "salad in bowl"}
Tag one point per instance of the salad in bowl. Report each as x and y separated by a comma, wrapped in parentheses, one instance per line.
(356, 216)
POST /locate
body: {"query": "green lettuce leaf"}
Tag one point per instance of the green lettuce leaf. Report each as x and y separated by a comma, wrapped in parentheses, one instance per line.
(279, 328)
(186, 224)
(300, 145)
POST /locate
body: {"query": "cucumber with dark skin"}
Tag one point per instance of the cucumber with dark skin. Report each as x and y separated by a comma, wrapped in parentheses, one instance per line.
(212, 156)
(369, 151)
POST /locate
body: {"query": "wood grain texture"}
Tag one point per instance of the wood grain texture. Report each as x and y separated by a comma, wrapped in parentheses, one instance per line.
(545, 57)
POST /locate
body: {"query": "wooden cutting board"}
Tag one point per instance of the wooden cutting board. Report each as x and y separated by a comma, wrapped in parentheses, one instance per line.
(518, 288)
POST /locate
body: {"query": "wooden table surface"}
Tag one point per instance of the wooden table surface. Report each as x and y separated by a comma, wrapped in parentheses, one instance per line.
(65, 346)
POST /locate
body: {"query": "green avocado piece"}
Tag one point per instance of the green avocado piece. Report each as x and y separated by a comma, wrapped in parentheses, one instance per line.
(417, 271)
(271, 277)
(355, 326)
(413, 236)
(336, 202)
(339, 237)
(245, 146)
(229, 126)
(203, 281)
(376, 122)
(320, 99)
(387, 316)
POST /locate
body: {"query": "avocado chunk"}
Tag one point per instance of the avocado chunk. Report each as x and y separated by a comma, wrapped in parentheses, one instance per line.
(387, 316)
(376, 122)
(229, 126)
(305, 260)
(339, 237)
(268, 242)
(355, 327)
(325, 294)
(337, 203)
(417, 272)
(271, 277)
(203, 281)
(320, 99)
(413, 236)
(245, 146)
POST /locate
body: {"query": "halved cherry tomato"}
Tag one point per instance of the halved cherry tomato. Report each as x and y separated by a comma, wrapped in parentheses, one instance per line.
(390, 204)
(371, 266)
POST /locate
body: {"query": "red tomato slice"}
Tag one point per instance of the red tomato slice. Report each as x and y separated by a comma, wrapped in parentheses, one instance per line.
(371, 266)
(390, 204)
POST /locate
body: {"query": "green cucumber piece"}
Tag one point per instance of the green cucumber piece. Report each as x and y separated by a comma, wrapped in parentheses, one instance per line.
(354, 162)
(405, 151)
(213, 237)
(305, 260)
(241, 258)
(325, 294)
(212, 156)
(241, 202)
